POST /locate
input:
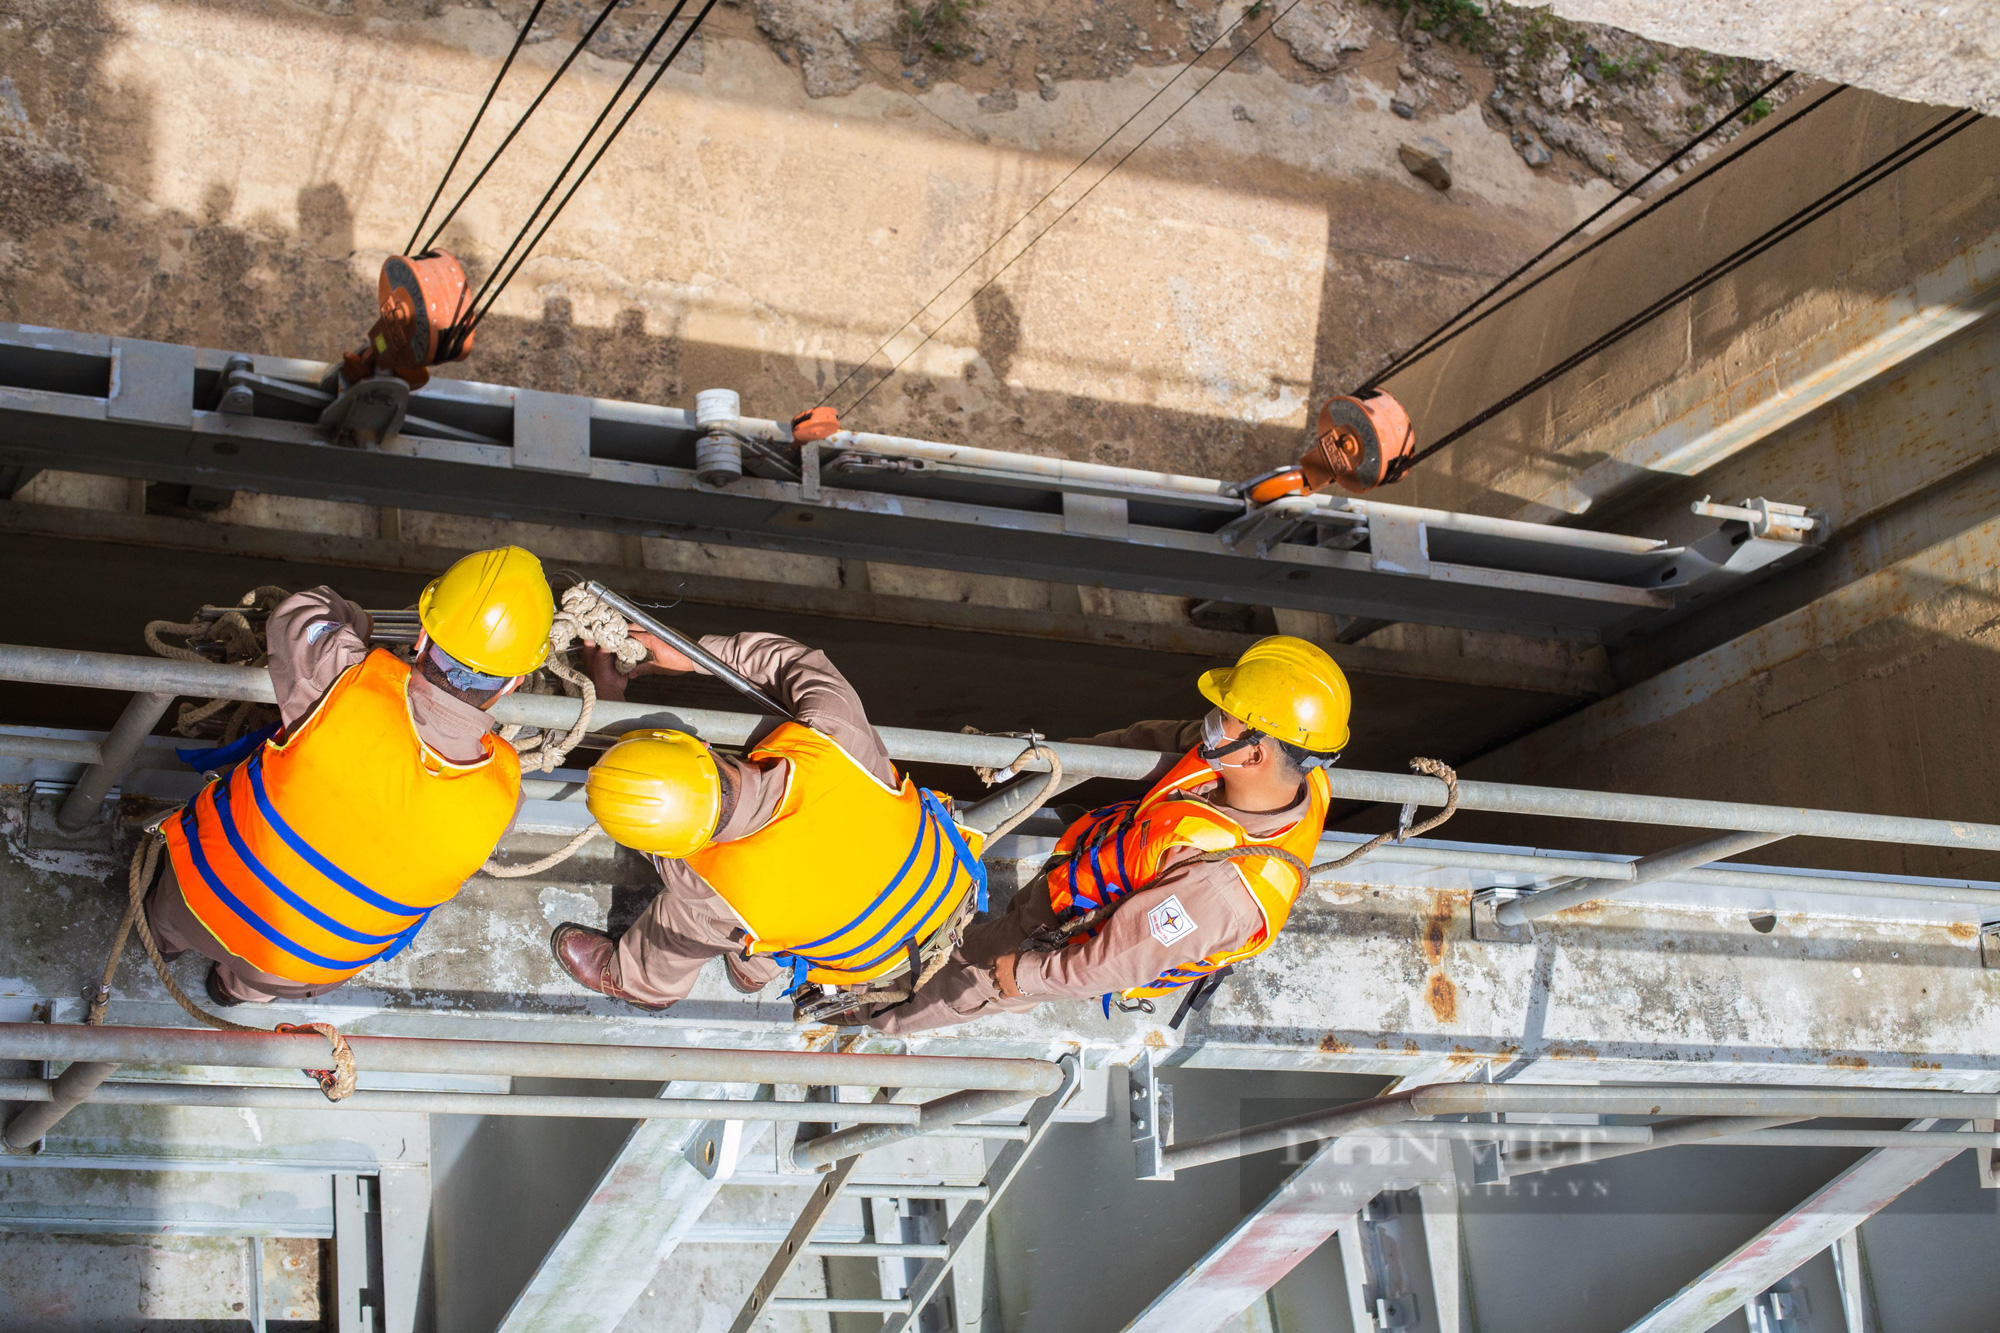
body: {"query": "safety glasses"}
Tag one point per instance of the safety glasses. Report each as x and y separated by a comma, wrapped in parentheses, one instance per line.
(463, 677)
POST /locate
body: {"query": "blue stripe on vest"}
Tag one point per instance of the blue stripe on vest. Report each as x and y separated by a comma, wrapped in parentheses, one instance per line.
(310, 855)
(227, 817)
(935, 826)
(973, 865)
(937, 858)
(230, 900)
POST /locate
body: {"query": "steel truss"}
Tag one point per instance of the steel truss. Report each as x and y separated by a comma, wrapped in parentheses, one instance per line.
(164, 412)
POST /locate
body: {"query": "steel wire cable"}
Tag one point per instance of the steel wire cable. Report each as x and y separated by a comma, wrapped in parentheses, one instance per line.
(1439, 336)
(1085, 160)
(1879, 170)
(520, 39)
(547, 88)
(481, 311)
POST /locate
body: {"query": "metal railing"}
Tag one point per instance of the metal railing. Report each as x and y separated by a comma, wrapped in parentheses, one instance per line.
(143, 675)
(1770, 1105)
(973, 1086)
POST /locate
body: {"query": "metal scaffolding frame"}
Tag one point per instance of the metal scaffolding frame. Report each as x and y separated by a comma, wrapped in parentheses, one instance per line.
(166, 412)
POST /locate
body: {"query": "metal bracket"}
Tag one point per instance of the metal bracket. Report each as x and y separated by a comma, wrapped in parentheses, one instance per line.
(45, 800)
(716, 1150)
(1989, 944)
(1152, 1106)
(1486, 926)
(367, 414)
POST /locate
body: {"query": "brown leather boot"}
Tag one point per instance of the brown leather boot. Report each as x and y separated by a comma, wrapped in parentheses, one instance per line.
(586, 955)
(740, 978)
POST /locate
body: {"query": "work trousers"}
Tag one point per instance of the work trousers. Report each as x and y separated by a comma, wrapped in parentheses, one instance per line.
(176, 929)
(964, 988)
(658, 959)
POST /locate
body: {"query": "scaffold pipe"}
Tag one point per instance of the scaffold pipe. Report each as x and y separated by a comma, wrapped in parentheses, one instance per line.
(537, 1059)
(112, 671)
(1652, 1099)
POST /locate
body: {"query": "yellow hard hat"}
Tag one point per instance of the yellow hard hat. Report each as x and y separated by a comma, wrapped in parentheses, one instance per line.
(492, 611)
(1286, 688)
(656, 791)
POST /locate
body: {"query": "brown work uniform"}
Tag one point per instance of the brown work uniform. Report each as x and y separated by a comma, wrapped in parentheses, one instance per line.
(1125, 951)
(313, 637)
(658, 958)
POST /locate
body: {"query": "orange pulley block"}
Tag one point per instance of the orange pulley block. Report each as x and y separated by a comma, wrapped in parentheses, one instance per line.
(1362, 442)
(425, 309)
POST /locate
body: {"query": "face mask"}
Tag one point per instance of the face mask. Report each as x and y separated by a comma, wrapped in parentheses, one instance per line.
(1215, 741)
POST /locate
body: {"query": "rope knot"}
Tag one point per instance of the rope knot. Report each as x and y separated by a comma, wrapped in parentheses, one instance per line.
(338, 1082)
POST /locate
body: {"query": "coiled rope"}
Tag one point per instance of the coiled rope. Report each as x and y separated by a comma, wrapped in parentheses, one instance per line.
(233, 635)
(583, 618)
(1428, 767)
(337, 1083)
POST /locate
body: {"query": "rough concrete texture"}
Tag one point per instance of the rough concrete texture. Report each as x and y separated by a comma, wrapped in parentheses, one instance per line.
(1944, 54)
(232, 175)
(75, 1284)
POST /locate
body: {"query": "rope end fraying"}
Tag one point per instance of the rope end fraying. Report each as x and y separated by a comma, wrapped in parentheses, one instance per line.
(338, 1082)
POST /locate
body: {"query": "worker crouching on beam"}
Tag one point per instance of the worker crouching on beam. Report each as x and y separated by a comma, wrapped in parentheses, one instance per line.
(382, 793)
(809, 857)
(1161, 897)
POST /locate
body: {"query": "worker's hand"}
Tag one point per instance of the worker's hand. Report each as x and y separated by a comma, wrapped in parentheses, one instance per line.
(665, 660)
(1003, 975)
(602, 668)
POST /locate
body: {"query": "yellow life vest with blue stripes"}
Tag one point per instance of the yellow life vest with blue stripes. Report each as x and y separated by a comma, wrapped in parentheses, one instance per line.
(850, 873)
(330, 846)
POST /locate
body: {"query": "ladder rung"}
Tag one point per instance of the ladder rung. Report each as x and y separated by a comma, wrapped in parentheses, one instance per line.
(878, 1249)
(890, 1190)
(836, 1305)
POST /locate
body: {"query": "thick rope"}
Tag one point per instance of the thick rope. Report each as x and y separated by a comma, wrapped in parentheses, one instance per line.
(337, 1083)
(241, 643)
(1428, 767)
(553, 859)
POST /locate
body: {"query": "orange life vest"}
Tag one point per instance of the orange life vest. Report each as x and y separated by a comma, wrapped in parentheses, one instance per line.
(1114, 852)
(849, 872)
(328, 848)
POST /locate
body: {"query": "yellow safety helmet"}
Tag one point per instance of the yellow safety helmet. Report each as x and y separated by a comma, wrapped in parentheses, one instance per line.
(1286, 688)
(656, 791)
(492, 611)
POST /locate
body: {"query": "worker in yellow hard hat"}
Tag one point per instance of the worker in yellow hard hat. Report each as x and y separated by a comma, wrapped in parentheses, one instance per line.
(1161, 897)
(810, 856)
(327, 847)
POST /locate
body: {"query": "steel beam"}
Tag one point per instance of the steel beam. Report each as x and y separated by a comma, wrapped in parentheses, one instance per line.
(1850, 1198)
(1739, 1099)
(855, 600)
(645, 1203)
(1320, 1198)
(878, 498)
(1002, 1173)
